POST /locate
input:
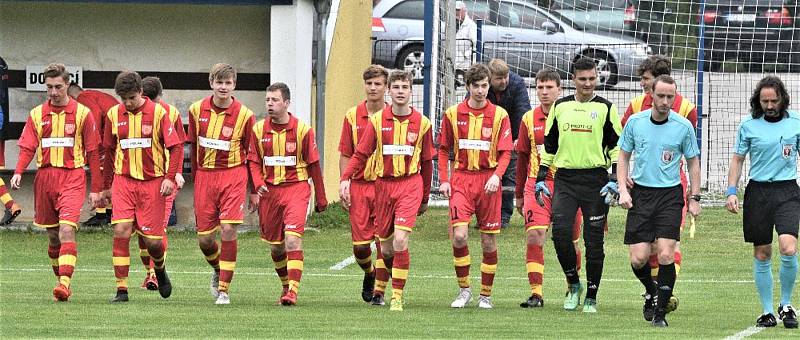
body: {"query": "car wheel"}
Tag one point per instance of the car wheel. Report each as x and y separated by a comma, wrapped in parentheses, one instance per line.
(606, 68)
(412, 59)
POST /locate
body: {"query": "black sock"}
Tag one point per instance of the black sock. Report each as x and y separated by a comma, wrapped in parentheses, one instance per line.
(388, 261)
(643, 274)
(666, 281)
(565, 251)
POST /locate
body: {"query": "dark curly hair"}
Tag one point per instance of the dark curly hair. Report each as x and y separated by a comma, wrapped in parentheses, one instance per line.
(774, 83)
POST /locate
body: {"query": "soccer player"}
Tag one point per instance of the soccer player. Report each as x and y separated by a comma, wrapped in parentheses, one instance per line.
(659, 137)
(362, 208)
(479, 134)
(152, 89)
(62, 133)
(138, 134)
(99, 103)
(580, 139)
(649, 69)
(219, 128)
(508, 90)
(402, 141)
(536, 210)
(283, 155)
(772, 198)
(11, 208)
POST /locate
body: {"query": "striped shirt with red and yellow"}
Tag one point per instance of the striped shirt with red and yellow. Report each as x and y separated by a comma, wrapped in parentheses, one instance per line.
(139, 141)
(60, 137)
(356, 121)
(219, 136)
(478, 138)
(283, 152)
(681, 105)
(530, 142)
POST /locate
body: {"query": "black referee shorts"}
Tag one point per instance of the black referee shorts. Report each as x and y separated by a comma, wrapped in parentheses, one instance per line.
(656, 213)
(767, 205)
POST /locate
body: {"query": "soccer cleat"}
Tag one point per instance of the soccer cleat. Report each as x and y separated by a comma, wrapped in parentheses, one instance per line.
(164, 285)
(532, 302)
(215, 284)
(463, 298)
(485, 302)
(396, 305)
(150, 282)
(589, 305)
(573, 296)
(122, 296)
(788, 316)
(377, 300)
(672, 305)
(289, 299)
(98, 219)
(766, 320)
(61, 293)
(367, 286)
(659, 320)
(11, 214)
(649, 308)
(223, 299)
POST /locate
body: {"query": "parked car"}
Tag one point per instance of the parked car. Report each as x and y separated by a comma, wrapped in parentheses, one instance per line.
(526, 36)
(752, 31)
(653, 22)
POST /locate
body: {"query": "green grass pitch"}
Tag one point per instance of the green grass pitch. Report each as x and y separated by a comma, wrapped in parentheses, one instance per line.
(717, 296)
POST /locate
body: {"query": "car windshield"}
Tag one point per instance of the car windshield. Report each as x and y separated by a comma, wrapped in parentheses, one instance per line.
(588, 5)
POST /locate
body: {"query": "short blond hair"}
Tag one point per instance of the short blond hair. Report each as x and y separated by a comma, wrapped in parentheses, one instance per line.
(498, 68)
(222, 71)
(401, 76)
(55, 70)
(375, 71)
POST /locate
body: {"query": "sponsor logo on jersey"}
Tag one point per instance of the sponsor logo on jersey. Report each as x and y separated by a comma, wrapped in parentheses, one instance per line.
(577, 127)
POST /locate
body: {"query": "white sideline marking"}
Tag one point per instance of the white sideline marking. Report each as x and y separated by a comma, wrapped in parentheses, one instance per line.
(348, 261)
(752, 330)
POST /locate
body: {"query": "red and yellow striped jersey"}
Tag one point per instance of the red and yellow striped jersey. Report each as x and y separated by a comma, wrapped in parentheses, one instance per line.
(475, 135)
(531, 140)
(60, 136)
(643, 102)
(177, 123)
(283, 151)
(356, 120)
(220, 136)
(140, 140)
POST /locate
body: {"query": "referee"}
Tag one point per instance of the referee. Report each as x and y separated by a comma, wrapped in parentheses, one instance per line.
(659, 137)
(581, 135)
(772, 198)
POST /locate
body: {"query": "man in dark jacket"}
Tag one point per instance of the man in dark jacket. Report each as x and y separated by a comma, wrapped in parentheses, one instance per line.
(508, 90)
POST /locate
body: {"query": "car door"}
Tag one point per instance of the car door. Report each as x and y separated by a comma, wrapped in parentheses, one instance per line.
(528, 44)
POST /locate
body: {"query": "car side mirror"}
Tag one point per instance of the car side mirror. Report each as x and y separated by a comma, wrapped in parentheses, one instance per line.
(550, 27)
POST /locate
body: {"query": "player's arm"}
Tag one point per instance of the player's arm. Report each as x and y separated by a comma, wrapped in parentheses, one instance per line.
(311, 154)
(174, 144)
(191, 137)
(741, 148)
(255, 163)
(623, 164)
(366, 146)
(345, 145)
(504, 146)
(612, 129)
(524, 154)
(110, 144)
(443, 155)
(90, 141)
(692, 154)
(426, 169)
(28, 143)
(628, 113)
(550, 140)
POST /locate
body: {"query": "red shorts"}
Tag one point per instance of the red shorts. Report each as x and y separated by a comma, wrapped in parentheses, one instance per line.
(362, 211)
(283, 211)
(469, 197)
(140, 202)
(219, 197)
(168, 206)
(538, 217)
(58, 196)
(397, 202)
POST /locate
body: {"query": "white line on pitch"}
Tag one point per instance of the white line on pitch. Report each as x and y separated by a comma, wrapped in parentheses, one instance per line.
(348, 261)
(752, 330)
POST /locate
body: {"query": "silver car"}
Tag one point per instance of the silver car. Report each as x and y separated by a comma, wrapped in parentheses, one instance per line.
(526, 36)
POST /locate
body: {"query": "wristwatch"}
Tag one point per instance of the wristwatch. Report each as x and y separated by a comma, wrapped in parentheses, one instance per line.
(695, 197)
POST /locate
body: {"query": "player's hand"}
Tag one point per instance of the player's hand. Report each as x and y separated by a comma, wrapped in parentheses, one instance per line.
(179, 181)
(262, 191)
(96, 199)
(694, 208)
(611, 192)
(253, 202)
(625, 200)
(732, 204)
(492, 184)
(345, 205)
(320, 206)
(519, 202)
(629, 182)
(15, 181)
(422, 209)
(445, 189)
(167, 187)
(106, 195)
(344, 191)
(542, 189)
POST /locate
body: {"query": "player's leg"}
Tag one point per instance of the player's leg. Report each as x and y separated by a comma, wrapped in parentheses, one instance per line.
(149, 214)
(757, 227)
(45, 215)
(362, 232)
(270, 221)
(12, 209)
(150, 282)
(565, 205)
(233, 185)
(381, 275)
(71, 189)
(577, 230)
(488, 214)
(666, 277)
(384, 232)
(537, 221)
(787, 218)
(461, 211)
(295, 197)
(402, 263)
(408, 197)
(67, 258)
(206, 199)
(121, 253)
(640, 236)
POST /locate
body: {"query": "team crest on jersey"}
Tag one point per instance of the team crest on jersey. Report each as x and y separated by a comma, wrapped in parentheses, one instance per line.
(69, 129)
(291, 146)
(787, 151)
(666, 156)
(227, 131)
(147, 129)
(412, 137)
(486, 132)
(594, 115)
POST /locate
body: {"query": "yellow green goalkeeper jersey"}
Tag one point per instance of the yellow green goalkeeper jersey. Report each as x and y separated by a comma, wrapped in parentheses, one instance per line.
(581, 135)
